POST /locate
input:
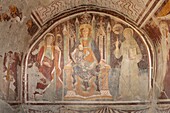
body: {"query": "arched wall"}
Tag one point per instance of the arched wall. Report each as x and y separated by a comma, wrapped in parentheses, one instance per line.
(60, 21)
(22, 39)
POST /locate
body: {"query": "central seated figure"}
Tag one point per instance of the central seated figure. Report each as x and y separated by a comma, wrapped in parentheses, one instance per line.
(86, 74)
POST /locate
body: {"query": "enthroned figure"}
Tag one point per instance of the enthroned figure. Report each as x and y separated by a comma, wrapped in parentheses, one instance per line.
(86, 74)
(48, 64)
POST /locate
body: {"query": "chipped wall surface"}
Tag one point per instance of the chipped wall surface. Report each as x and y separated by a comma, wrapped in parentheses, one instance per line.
(94, 56)
(87, 67)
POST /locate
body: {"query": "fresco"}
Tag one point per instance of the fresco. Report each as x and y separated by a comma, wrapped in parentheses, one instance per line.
(163, 52)
(31, 27)
(158, 27)
(13, 14)
(88, 58)
(84, 56)
(11, 80)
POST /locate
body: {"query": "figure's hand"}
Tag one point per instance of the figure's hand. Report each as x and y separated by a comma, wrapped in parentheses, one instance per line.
(47, 64)
(93, 65)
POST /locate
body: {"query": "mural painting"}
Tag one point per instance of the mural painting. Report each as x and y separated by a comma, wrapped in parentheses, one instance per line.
(91, 58)
(158, 27)
(31, 27)
(13, 14)
(45, 68)
(164, 46)
(165, 38)
(11, 79)
(131, 56)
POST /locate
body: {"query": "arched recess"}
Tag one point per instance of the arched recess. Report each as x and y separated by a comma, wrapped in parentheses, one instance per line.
(69, 73)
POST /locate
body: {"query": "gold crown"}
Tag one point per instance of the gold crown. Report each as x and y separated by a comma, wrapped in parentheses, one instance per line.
(85, 18)
(82, 26)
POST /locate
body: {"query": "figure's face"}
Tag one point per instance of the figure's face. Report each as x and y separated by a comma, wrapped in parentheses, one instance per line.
(80, 47)
(127, 33)
(10, 55)
(85, 32)
(49, 40)
(117, 29)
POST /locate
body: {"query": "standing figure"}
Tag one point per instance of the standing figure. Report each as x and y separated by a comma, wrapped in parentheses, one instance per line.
(128, 81)
(48, 60)
(11, 63)
(165, 46)
(163, 65)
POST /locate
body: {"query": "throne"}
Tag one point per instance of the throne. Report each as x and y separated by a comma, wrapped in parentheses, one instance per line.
(96, 88)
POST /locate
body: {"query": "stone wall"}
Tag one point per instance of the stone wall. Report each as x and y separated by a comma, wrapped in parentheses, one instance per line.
(25, 23)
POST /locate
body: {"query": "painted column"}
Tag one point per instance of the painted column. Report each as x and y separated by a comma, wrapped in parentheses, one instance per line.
(102, 38)
(77, 28)
(93, 26)
(108, 43)
(66, 45)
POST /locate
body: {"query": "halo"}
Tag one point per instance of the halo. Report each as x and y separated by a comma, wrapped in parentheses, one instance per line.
(49, 34)
(127, 30)
(58, 36)
(117, 28)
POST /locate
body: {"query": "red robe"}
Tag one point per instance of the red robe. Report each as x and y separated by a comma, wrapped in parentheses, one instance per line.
(48, 72)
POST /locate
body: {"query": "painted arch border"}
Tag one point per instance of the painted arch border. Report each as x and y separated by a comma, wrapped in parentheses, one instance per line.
(146, 40)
